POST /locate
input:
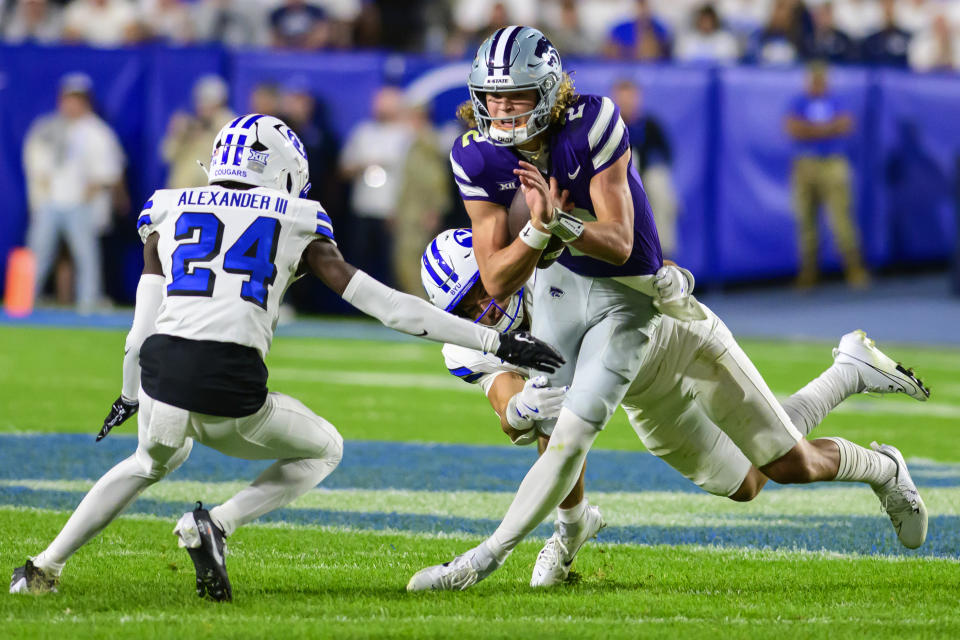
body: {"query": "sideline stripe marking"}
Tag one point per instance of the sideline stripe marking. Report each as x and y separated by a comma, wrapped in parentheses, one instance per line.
(663, 508)
(869, 535)
(381, 465)
(736, 553)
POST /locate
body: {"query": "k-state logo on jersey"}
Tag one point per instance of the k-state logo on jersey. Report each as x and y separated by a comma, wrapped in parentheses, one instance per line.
(556, 292)
(507, 186)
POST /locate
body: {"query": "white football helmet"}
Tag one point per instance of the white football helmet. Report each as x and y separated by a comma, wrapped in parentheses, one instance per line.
(261, 151)
(449, 270)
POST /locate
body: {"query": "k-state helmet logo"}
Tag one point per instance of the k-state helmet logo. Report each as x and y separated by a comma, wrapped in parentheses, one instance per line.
(547, 52)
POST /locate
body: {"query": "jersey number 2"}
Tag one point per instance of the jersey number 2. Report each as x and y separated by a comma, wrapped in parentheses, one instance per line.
(252, 254)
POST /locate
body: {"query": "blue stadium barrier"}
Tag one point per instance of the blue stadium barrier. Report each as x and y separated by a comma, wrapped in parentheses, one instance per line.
(731, 160)
(918, 139)
(755, 229)
(682, 100)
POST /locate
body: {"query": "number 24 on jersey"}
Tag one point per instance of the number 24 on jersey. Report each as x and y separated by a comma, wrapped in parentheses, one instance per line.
(253, 255)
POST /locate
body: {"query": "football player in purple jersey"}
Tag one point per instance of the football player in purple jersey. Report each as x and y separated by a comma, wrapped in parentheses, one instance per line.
(599, 304)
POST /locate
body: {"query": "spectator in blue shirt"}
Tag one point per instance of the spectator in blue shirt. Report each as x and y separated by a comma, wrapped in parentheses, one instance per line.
(887, 47)
(828, 43)
(297, 24)
(782, 40)
(821, 175)
(643, 37)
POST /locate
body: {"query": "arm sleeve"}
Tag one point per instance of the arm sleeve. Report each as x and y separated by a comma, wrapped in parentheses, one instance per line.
(149, 297)
(411, 315)
(476, 368)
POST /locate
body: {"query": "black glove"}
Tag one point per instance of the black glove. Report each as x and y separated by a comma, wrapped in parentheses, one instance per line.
(119, 412)
(522, 349)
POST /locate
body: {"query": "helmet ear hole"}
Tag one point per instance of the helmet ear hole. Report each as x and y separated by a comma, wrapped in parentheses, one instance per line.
(289, 183)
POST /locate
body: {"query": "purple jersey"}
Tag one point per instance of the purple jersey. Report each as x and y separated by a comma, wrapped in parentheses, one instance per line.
(591, 138)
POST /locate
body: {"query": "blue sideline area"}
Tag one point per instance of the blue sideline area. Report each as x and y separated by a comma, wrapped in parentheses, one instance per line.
(918, 310)
(378, 465)
(385, 465)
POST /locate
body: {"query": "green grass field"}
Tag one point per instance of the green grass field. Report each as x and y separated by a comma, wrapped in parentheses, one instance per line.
(673, 563)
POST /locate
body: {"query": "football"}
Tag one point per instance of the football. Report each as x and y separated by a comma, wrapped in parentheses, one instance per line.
(519, 215)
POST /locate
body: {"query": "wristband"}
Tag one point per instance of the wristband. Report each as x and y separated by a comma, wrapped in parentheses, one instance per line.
(565, 226)
(533, 237)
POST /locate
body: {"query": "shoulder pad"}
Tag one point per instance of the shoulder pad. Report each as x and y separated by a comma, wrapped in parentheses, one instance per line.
(595, 128)
(467, 157)
(151, 214)
(312, 214)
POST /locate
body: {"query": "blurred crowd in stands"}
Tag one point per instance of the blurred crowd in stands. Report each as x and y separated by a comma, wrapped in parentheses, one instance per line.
(922, 34)
(387, 183)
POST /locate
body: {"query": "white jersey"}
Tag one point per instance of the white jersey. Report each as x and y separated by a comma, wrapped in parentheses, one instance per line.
(477, 367)
(228, 255)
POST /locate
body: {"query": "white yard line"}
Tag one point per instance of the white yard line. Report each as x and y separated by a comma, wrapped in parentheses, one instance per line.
(439, 382)
(734, 552)
(661, 508)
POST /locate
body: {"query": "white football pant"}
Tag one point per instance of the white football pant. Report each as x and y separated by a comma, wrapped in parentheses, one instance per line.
(307, 449)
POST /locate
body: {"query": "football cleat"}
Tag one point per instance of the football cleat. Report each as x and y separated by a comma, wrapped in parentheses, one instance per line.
(459, 574)
(901, 500)
(878, 372)
(555, 559)
(31, 579)
(207, 546)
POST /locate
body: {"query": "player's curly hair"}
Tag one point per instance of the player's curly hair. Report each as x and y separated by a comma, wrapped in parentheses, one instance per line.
(566, 96)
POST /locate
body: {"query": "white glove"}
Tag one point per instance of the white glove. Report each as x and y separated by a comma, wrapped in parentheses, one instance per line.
(536, 401)
(673, 283)
(674, 287)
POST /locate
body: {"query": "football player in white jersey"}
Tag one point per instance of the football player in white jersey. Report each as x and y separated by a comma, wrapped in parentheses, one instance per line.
(682, 436)
(217, 261)
(533, 128)
(525, 404)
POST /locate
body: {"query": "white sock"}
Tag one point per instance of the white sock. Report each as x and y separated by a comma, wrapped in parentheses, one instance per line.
(105, 501)
(549, 480)
(485, 559)
(858, 464)
(280, 484)
(574, 514)
(810, 405)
